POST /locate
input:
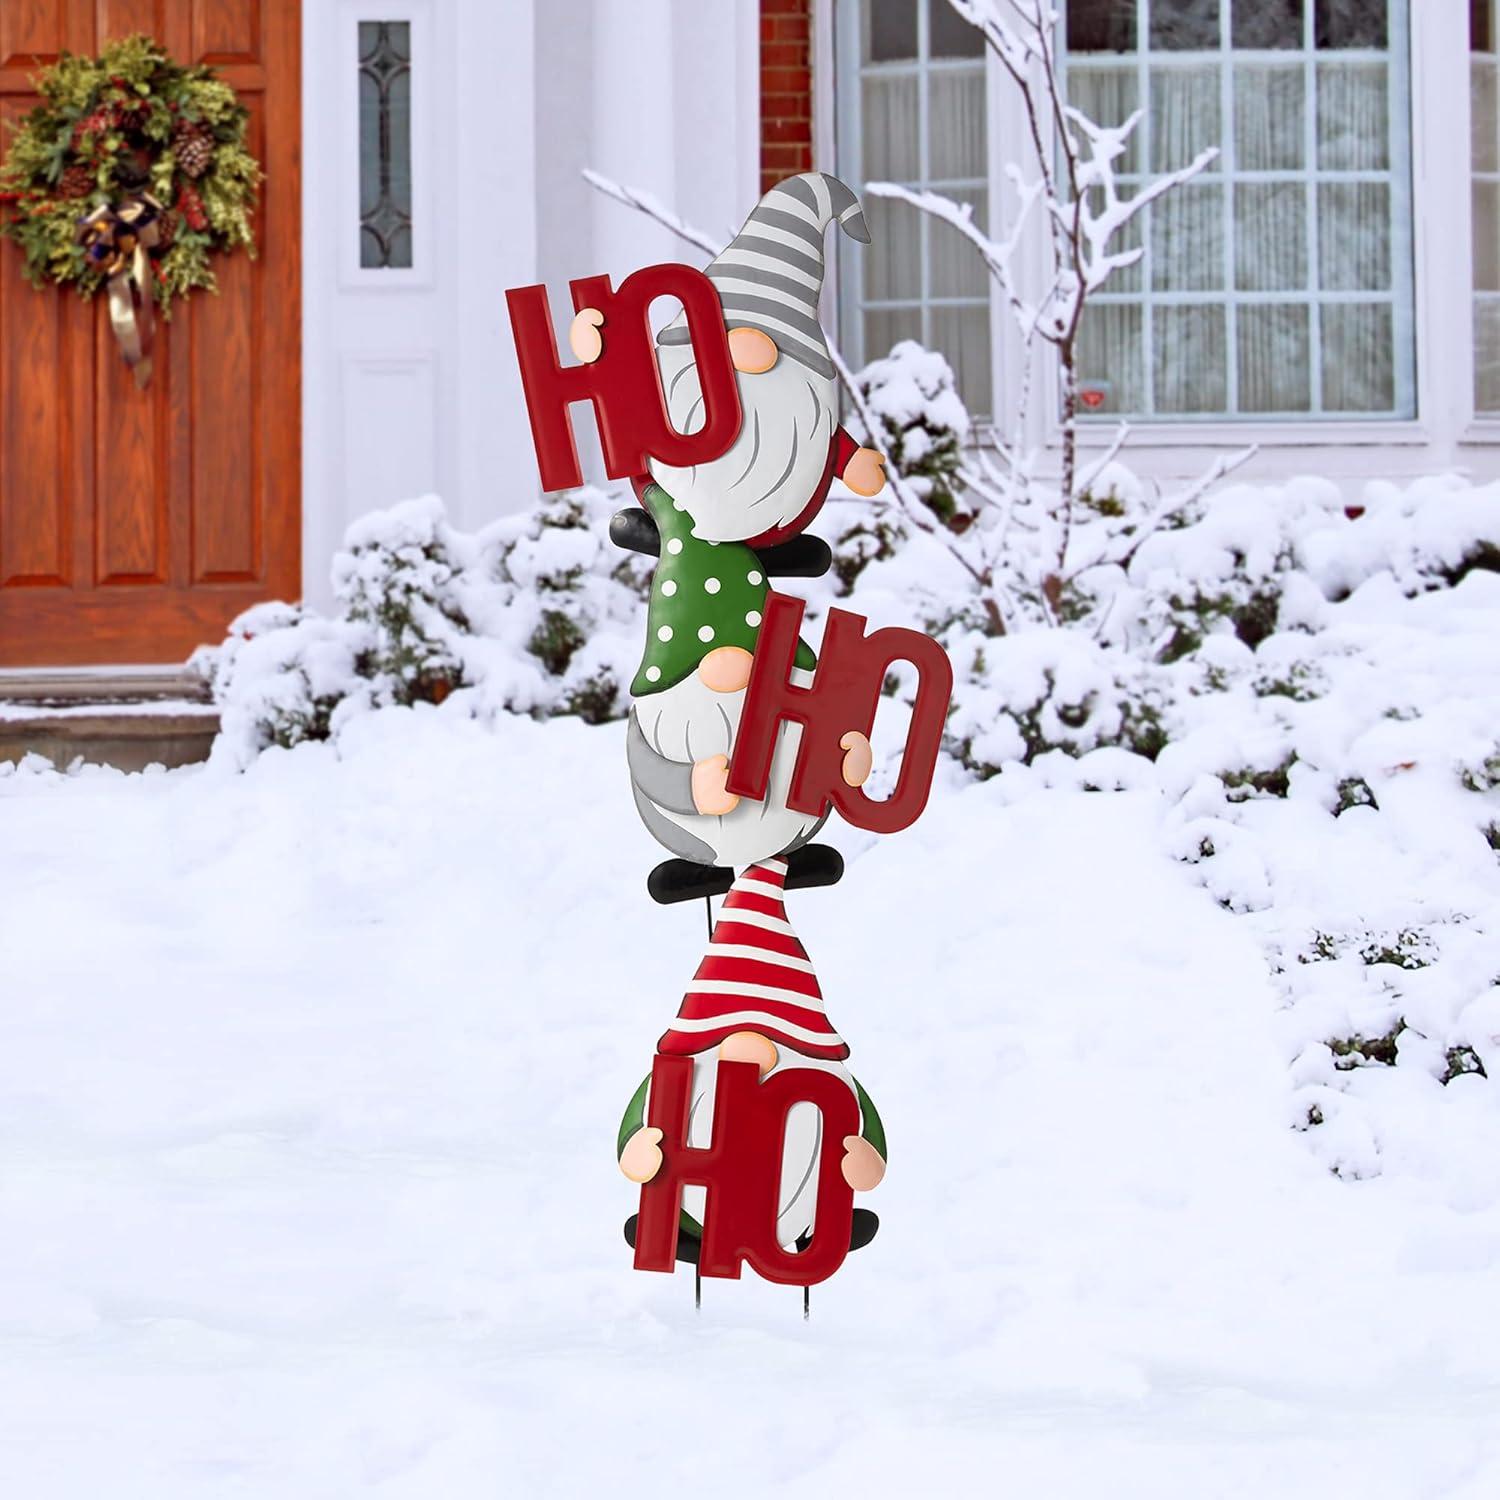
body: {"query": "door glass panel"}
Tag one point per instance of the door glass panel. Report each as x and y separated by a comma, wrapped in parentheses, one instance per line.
(385, 227)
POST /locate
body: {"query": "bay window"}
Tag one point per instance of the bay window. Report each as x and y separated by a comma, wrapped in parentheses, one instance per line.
(1278, 284)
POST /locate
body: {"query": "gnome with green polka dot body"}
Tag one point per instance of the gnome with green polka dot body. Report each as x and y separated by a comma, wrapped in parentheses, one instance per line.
(707, 599)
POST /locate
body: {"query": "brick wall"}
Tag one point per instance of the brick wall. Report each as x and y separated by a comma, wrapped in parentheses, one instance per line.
(785, 89)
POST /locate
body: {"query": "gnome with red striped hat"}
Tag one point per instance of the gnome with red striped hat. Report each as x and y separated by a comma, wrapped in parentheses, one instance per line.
(755, 998)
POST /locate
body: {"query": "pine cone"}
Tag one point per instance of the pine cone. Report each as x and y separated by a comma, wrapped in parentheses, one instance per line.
(166, 232)
(194, 148)
(77, 181)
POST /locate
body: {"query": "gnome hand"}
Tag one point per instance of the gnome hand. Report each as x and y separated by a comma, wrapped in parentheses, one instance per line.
(709, 796)
(863, 1165)
(641, 1159)
(865, 472)
(858, 758)
(584, 338)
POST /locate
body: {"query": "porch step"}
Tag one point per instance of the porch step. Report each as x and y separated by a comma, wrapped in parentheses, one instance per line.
(129, 719)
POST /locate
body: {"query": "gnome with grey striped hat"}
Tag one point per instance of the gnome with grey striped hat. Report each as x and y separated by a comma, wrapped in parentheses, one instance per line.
(776, 476)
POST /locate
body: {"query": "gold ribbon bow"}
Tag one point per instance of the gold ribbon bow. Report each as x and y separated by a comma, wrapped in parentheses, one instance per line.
(115, 238)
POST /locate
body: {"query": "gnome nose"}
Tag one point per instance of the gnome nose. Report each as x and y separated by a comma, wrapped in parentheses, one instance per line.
(726, 669)
(752, 351)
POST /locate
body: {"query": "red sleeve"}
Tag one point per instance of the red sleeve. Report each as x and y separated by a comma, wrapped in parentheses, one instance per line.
(844, 448)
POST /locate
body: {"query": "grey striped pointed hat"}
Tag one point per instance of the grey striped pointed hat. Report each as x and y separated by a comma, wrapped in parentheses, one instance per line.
(771, 274)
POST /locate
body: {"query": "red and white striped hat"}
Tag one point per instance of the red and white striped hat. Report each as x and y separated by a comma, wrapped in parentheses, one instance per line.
(756, 976)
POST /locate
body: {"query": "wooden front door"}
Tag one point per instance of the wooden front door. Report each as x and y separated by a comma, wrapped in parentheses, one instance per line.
(134, 525)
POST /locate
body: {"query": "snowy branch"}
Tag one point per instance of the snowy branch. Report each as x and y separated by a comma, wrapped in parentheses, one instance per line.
(653, 208)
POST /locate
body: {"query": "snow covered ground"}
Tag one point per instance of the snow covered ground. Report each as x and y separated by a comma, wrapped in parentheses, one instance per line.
(309, 1081)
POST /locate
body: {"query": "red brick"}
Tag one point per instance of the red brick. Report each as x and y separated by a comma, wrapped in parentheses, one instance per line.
(785, 157)
(785, 81)
(783, 55)
(783, 7)
(774, 131)
(789, 108)
(789, 28)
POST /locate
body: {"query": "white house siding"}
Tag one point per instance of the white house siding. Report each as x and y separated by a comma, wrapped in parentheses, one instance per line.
(409, 377)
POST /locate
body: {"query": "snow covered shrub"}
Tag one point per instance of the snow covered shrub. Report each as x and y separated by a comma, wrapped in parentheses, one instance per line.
(395, 577)
(572, 601)
(282, 676)
(1429, 536)
(1224, 569)
(1021, 696)
(536, 614)
(920, 423)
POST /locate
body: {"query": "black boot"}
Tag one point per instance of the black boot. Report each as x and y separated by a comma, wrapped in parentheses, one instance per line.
(675, 880)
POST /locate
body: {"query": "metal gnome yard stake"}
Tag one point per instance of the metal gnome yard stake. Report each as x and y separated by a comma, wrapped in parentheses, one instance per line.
(749, 1137)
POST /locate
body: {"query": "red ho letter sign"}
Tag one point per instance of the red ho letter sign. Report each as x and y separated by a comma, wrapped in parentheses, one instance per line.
(844, 695)
(624, 383)
(741, 1170)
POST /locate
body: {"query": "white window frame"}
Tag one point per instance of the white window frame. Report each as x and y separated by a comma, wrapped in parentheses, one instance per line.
(837, 34)
(1447, 432)
(1226, 174)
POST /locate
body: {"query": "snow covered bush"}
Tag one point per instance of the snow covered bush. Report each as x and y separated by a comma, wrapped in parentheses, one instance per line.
(284, 675)
(395, 577)
(536, 614)
(919, 422)
(1055, 690)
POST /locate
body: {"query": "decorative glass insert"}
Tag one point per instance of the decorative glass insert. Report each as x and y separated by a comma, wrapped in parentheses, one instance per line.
(1278, 283)
(1484, 157)
(914, 113)
(385, 145)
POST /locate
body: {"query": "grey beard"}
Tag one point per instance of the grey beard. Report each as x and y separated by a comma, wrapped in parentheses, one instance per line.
(771, 472)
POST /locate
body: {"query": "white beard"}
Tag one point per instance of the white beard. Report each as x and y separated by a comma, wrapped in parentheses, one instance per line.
(797, 1200)
(769, 476)
(688, 722)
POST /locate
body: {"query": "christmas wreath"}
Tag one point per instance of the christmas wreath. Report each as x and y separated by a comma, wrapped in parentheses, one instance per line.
(130, 175)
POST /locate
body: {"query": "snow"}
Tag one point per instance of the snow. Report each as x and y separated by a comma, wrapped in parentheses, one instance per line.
(312, 1076)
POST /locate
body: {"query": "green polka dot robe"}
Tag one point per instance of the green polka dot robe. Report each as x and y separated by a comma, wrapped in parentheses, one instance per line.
(703, 595)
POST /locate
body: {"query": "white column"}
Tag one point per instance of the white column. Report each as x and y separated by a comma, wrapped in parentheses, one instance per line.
(635, 130)
(496, 232)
